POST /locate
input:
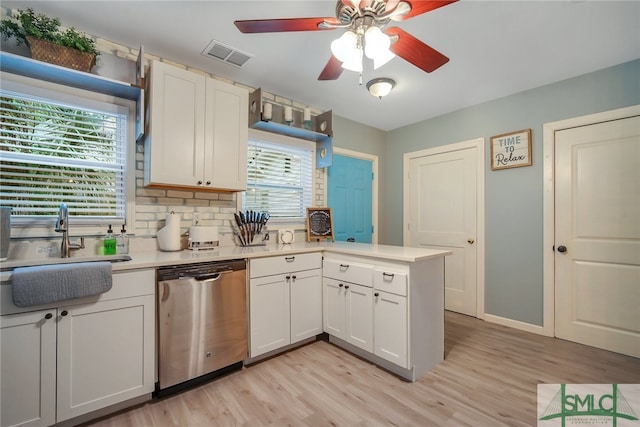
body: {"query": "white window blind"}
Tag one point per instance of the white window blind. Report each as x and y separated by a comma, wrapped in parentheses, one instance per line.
(279, 179)
(52, 153)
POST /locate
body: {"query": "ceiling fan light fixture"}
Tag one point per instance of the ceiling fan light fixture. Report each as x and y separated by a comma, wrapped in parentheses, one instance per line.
(354, 61)
(380, 87)
(382, 58)
(344, 47)
(377, 46)
(375, 41)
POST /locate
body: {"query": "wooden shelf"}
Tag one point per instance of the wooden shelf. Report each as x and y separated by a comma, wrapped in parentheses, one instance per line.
(28, 67)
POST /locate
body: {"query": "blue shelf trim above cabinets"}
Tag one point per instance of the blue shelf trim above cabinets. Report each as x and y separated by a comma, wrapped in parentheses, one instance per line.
(16, 64)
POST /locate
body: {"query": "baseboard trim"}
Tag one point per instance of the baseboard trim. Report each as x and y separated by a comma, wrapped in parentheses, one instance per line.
(516, 324)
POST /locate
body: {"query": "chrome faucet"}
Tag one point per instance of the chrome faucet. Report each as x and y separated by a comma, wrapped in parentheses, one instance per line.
(62, 226)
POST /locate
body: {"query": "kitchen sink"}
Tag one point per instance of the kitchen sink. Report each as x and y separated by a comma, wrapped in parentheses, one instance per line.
(6, 265)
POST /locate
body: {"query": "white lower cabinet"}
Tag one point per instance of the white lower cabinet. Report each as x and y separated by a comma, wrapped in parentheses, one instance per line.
(65, 361)
(390, 327)
(285, 301)
(348, 312)
(305, 304)
(374, 314)
(28, 369)
(269, 314)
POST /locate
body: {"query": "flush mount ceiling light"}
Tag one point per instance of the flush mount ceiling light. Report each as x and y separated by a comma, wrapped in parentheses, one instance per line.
(380, 87)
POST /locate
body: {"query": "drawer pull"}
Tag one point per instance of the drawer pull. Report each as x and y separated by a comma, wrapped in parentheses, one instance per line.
(289, 258)
(389, 275)
(344, 267)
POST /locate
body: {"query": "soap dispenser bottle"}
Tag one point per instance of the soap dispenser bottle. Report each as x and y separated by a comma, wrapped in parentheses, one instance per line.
(109, 242)
(122, 242)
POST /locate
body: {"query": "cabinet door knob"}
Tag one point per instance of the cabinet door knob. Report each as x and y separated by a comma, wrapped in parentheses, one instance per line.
(208, 182)
(199, 182)
(346, 286)
(48, 316)
(562, 249)
(293, 277)
(287, 277)
(376, 294)
(341, 285)
(64, 313)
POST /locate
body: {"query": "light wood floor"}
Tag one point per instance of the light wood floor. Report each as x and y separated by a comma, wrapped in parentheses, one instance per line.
(488, 378)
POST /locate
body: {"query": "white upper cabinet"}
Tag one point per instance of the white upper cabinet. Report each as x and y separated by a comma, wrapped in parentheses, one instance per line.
(197, 131)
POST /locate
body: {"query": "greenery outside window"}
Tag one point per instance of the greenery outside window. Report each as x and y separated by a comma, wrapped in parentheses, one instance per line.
(62, 149)
(279, 177)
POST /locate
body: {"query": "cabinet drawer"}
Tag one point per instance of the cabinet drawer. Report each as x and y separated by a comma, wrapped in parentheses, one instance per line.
(284, 264)
(390, 281)
(348, 271)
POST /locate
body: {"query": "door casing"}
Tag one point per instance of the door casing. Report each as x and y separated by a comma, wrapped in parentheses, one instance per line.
(374, 185)
(548, 202)
(479, 145)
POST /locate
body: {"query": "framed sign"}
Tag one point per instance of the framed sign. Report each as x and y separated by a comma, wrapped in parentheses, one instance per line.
(511, 150)
(319, 224)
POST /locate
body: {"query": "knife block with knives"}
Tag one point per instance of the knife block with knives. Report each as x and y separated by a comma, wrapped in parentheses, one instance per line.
(250, 228)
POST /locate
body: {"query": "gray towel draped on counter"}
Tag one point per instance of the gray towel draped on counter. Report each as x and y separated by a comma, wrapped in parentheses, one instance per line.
(45, 284)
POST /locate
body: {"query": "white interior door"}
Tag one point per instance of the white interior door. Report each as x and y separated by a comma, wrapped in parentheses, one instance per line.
(597, 235)
(443, 209)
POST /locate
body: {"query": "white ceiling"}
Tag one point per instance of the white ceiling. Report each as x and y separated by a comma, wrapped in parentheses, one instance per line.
(496, 48)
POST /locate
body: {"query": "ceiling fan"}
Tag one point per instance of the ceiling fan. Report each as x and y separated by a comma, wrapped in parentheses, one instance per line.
(363, 21)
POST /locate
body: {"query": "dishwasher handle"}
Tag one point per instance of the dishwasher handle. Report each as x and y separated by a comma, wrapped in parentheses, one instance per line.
(212, 277)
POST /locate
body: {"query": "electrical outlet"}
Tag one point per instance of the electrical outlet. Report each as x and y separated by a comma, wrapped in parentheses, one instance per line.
(196, 218)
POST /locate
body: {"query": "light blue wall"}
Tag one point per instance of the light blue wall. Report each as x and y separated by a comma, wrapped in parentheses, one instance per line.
(513, 196)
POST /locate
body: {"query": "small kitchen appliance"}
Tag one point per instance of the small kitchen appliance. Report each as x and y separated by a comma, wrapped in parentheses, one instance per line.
(203, 238)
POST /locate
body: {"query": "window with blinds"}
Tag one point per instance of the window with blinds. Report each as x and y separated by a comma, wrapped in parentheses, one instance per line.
(53, 152)
(279, 179)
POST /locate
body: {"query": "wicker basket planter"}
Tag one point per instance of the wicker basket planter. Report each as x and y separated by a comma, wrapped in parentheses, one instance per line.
(52, 53)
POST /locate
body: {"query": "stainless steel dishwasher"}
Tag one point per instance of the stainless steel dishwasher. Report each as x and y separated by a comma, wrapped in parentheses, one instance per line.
(202, 322)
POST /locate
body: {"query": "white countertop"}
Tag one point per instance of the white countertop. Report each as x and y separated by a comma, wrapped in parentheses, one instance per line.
(154, 259)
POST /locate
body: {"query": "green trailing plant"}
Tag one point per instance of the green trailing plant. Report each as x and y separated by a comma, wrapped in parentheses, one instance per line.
(28, 23)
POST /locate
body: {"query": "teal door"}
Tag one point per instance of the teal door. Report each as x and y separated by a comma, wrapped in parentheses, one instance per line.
(349, 195)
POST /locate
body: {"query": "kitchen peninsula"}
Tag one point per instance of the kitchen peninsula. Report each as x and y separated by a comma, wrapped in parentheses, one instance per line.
(383, 303)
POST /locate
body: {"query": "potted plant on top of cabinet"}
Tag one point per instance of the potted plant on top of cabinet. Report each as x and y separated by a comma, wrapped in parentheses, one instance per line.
(48, 42)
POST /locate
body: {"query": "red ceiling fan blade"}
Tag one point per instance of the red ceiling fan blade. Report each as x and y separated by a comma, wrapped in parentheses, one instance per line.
(418, 7)
(414, 51)
(332, 70)
(283, 24)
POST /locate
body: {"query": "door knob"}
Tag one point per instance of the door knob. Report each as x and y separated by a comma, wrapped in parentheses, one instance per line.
(471, 240)
(562, 249)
